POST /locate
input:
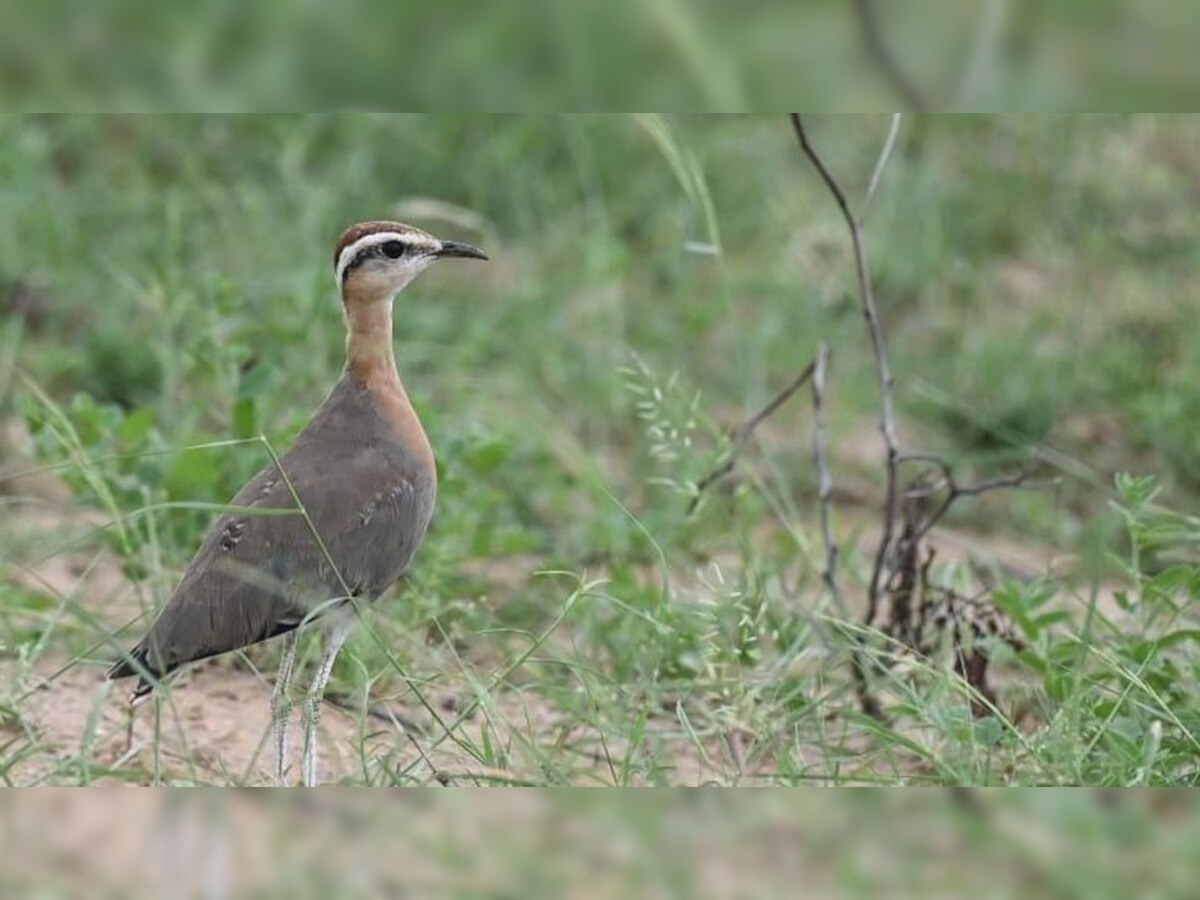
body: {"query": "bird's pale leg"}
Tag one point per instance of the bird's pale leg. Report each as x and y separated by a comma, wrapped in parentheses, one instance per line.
(281, 704)
(312, 703)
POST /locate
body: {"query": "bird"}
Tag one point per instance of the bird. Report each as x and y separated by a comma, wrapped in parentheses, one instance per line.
(335, 519)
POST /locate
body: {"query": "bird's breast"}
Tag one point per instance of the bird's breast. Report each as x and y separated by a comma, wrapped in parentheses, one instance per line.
(402, 432)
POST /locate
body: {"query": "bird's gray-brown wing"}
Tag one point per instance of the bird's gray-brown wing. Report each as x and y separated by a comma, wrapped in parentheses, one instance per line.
(259, 573)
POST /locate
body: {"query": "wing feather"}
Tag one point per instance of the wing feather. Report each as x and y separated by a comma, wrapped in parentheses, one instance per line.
(258, 575)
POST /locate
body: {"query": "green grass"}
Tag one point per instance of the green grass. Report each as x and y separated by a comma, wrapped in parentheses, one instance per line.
(567, 620)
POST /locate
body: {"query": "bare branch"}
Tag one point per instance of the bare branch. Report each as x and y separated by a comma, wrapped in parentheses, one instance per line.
(824, 479)
(740, 435)
(868, 23)
(884, 155)
(929, 459)
(955, 491)
(887, 418)
(1005, 481)
(743, 431)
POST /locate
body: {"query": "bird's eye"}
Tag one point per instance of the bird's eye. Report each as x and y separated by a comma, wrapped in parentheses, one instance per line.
(393, 249)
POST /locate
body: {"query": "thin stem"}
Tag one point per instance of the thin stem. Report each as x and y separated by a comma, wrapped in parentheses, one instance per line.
(824, 479)
(885, 154)
(955, 491)
(887, 417)
(740, 435)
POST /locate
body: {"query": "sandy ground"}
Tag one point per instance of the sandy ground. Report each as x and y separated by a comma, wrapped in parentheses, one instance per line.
(215, 730)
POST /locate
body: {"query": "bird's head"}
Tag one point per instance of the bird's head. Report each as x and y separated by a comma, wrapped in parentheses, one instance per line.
(375, 260)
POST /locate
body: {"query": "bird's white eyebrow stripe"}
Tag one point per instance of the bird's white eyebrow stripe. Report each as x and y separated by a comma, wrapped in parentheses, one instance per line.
(350, 253)
(371, 240)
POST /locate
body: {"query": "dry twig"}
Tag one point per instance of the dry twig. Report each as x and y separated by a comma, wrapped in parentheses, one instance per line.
(824, 479)
(825, 493)
(955, 491)
(902, 556)
(887, 417)
(885, 154)
(740, 435)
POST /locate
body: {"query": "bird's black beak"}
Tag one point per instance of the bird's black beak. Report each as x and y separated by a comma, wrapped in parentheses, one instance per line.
(454, 248)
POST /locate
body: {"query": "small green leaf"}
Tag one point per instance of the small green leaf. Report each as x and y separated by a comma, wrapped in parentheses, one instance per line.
(245, 417)
(1178, 637)
(1045, 620)
(192, 475)
(135, 426)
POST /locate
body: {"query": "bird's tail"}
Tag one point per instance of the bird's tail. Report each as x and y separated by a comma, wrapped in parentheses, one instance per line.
(133, 663)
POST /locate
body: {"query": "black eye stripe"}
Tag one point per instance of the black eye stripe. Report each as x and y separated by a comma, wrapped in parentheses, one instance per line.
(390, 249)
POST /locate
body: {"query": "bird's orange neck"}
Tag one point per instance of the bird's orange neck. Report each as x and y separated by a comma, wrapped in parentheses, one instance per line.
(369, 355)
(371, 361)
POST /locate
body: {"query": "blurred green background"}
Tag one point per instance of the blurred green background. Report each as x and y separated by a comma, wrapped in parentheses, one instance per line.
(709, 55)
(165, 283)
